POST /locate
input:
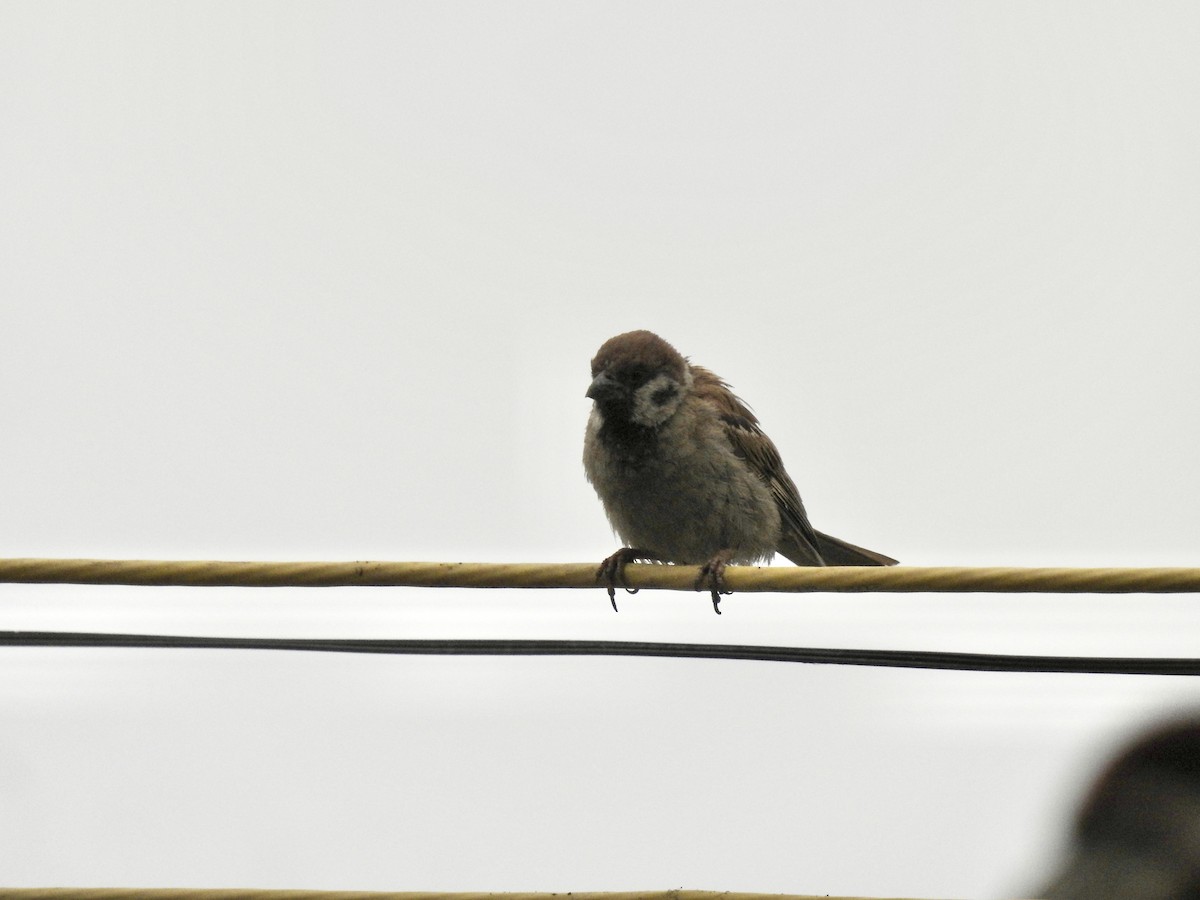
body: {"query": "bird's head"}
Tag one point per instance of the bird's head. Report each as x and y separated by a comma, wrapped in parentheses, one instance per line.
(638, 378)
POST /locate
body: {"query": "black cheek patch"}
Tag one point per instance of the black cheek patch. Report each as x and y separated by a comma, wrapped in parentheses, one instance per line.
(663, 394)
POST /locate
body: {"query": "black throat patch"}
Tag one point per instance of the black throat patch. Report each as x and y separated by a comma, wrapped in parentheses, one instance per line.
(629, 442)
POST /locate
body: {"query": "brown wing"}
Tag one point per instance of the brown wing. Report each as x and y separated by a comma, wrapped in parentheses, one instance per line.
(799, 541)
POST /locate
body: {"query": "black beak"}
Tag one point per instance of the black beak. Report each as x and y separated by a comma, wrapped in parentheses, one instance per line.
(605, 388)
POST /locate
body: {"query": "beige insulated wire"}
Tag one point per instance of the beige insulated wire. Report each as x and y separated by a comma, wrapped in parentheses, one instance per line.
(236, 894)
(891, 579)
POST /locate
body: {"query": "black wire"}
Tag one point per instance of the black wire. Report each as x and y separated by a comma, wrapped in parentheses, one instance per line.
(906, 659)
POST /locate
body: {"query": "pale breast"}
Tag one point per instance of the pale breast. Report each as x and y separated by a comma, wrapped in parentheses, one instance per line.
(689, 499)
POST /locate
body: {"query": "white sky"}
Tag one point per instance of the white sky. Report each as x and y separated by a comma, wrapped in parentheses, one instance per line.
(322, 281)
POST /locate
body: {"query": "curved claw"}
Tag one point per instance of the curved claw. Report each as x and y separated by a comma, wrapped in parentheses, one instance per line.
(612, 571)
(712, 575)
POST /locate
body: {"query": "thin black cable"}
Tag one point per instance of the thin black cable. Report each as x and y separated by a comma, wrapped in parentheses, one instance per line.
(905, 659)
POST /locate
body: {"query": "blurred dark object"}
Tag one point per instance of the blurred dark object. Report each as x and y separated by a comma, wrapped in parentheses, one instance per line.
(1138, 833)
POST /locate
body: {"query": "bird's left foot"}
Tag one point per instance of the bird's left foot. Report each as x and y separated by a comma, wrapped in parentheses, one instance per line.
(712, 576)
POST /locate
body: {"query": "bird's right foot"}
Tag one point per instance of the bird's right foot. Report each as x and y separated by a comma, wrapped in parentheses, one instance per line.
(612, 571)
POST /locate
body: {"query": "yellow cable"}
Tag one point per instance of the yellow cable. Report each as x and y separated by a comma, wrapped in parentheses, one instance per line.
(237, 894)
(891, 579)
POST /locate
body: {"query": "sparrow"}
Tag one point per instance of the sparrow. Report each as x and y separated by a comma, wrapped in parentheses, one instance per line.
(1137, 835)
(686, 474)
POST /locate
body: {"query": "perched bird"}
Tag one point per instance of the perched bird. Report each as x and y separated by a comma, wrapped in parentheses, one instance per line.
(1137, 836)
(685, 473)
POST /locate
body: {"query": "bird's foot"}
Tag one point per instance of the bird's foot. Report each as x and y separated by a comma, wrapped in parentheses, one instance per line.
(712, 576)
(612, 571)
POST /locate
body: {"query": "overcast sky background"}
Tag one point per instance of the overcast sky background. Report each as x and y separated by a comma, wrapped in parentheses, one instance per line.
(322, 281)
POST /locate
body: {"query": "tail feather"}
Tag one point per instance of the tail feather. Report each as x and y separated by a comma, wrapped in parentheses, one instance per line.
(799, 549)
(829, 551)
(837, 552)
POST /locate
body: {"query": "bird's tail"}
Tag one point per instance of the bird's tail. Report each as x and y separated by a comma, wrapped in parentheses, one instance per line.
(837, 552)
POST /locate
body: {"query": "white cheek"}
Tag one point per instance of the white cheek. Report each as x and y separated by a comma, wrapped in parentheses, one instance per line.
(646, 411)
(594, 422)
